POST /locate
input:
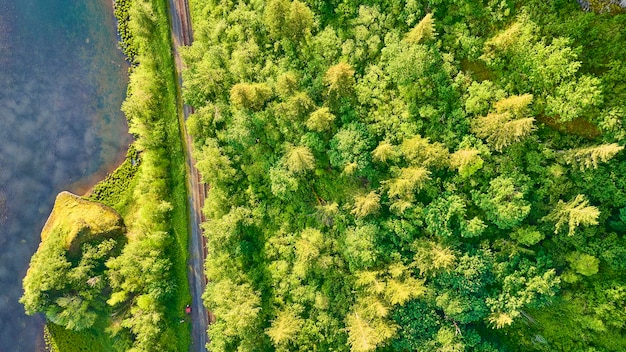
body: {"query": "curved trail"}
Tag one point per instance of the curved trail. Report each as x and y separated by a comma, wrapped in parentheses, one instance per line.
(182, 35)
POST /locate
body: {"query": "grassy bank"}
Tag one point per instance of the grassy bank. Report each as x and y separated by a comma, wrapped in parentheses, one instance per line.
(149, 279)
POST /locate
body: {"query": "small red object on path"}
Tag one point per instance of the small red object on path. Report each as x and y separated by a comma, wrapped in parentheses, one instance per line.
(188, 309)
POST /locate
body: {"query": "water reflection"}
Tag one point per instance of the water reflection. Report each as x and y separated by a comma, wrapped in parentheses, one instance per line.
(62, 81)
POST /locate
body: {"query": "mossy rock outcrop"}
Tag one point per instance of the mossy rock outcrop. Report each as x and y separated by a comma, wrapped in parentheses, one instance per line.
(79, 221)
(67, 279)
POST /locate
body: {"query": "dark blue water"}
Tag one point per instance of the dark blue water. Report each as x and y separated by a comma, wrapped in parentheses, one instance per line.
(62, 81)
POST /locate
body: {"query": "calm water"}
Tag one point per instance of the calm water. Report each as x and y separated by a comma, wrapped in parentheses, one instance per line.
(62, 81)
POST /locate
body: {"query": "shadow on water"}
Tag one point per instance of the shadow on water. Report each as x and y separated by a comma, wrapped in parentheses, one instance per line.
(62, 81)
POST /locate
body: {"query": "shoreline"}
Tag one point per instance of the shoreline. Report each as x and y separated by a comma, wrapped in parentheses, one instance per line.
(110, 163)
(85, 185)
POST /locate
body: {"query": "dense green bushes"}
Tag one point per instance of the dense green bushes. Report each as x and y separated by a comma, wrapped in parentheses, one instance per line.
(115, 190)
(148, 280)
(402, 175)
(122, 13)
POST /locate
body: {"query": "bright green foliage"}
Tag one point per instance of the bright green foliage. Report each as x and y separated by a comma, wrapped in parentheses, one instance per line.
(549, 70)
(214, 166)
(481, 96)
(419, 151)
(366, 205)
(367, 324)
(339, 78)
(366, 334)
(250, 96)
(351, 146)
(447, 340)
(115, 190)
(445, 216)
(572, 99)
(574, 213)
(504, 203)
(590, 157)
(360, 246)
(424, 30)
(67, 278)
(242, 297)
(384, 152)
(527, 236)
(409, 180)
(466, 161)
(285, 327)
(500, 320)
(508, 124)
(299, 159)
(520, 289)
(286, 84)
(148, 285)
(288, 19)
(516, 104)
(397, 189)
(320, 120)
(434, 258)
(583, 264)
(282, 182)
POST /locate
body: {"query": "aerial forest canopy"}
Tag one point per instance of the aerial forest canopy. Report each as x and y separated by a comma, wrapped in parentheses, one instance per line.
(403, 175)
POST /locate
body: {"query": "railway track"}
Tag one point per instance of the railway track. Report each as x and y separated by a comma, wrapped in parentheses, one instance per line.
(182, 35)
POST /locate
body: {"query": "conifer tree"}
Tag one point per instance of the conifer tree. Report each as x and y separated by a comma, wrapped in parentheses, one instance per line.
(400, 291)
(320, 120)
(507, 125)
(291, 20)
(250, 95)
(339, 78)
(286, 84)
(285, 327)
(296, 107)
(326, 213)
(500, 320)
(384, 152)
(519, 32)
(423, 31)
(467, 161)
(366, 205)
(299, 21)
(574, 213)
(419, 151)
(299, 159)
(367, 334)
(517, 105)
(276, 12)
(511, 132)
(590, 157)
(441, 257)
(410, 180)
